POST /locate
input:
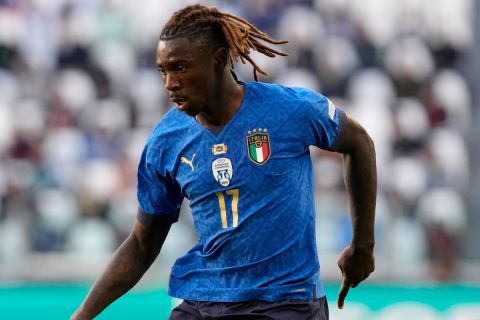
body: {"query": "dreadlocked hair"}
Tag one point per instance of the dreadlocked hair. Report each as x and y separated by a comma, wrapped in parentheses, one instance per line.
(221, 29)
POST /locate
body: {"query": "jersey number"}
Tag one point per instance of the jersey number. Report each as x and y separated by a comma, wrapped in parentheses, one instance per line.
(222, 204)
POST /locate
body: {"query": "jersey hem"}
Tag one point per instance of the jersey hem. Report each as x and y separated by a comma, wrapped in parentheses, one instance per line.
(342, 123)
(301, 291)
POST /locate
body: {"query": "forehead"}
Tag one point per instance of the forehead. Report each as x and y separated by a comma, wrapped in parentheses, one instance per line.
(176, 49)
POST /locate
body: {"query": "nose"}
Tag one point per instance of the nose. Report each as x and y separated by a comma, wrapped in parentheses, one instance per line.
(171, 82)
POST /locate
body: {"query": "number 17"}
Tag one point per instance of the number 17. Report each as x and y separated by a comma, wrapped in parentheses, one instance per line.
(222, 204)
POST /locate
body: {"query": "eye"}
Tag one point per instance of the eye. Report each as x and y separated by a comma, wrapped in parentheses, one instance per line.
(162, 71)
(180, 68)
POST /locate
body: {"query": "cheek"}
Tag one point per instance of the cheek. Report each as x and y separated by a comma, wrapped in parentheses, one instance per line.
(201, 83)
(203, 86)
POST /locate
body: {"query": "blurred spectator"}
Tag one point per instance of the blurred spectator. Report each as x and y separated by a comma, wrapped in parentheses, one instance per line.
(444, 216)
(79, 93)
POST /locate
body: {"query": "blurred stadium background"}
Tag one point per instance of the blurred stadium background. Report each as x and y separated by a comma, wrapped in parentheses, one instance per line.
(79, 93)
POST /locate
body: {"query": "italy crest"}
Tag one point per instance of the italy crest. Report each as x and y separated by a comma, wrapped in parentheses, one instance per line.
(258, 145)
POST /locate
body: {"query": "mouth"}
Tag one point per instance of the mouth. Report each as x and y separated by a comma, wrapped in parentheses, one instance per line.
(179, 102)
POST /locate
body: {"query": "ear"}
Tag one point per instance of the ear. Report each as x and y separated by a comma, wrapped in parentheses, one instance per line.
(221, 57)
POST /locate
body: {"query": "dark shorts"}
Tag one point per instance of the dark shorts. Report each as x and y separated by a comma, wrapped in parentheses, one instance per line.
(252, 310)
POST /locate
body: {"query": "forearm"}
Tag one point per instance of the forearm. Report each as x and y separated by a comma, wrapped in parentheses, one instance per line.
(126, 267)
(361, 183)
(357, 260)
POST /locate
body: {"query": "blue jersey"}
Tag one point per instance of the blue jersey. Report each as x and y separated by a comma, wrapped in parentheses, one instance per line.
(251, 195)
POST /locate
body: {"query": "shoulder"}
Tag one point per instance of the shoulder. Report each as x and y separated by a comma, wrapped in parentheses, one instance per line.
(172, 124)
(173, 119)
(277, 92)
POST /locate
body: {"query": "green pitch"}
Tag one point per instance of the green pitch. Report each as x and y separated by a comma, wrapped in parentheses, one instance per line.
(58, 301)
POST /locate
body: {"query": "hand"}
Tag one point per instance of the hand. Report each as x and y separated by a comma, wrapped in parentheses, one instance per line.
(356, 265)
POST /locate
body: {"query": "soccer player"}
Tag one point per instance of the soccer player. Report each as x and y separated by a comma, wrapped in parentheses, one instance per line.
(239, 151)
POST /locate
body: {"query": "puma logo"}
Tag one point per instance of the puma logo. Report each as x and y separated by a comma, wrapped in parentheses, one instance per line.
(189, 162)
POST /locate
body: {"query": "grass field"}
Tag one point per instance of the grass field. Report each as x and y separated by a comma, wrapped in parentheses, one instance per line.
(57, 301)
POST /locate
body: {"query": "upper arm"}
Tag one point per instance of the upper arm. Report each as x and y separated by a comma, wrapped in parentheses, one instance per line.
(158, 192)
(150, 237)
(321, 123)
(354, 138)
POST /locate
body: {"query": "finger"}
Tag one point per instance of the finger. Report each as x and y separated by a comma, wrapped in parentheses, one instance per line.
(343, 293)
(357, 279)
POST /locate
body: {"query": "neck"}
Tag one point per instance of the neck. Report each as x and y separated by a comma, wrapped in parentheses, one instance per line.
(224, 104)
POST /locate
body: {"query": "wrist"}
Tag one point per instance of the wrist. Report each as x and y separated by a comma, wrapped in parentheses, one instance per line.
(80, 314)
(362, 245)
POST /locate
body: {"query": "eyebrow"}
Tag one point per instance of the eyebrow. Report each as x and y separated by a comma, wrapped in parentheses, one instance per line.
(173, 61)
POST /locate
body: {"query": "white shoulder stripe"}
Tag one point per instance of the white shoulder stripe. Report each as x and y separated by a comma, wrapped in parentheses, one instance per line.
(331, 109)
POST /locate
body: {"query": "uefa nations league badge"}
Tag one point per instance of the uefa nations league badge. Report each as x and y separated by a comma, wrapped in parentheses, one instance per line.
(222, 171)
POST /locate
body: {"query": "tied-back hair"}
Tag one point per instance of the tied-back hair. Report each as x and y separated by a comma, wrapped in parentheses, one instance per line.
(221, 29)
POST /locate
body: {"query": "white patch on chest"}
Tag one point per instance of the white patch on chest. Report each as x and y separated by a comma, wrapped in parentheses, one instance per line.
(222, 171)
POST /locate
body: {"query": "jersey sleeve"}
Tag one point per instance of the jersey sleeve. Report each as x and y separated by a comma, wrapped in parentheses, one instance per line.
(324, 122)
(159, 196)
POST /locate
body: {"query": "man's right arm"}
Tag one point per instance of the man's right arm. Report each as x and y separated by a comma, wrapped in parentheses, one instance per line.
(127, 265)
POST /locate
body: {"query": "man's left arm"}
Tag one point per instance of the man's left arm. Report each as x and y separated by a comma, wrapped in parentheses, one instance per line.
(357, 260)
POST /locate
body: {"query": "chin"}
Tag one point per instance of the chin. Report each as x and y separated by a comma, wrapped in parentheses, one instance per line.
(191, 112)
